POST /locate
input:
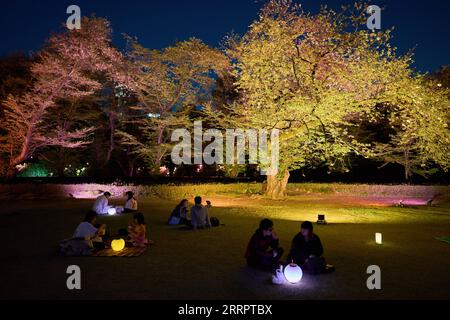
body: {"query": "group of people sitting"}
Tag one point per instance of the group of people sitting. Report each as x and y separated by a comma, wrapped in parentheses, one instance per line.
(199, 214)
(264, 252)
(89, 235)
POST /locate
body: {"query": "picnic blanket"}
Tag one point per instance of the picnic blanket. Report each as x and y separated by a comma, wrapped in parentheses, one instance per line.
(126, 252)
(444, 239)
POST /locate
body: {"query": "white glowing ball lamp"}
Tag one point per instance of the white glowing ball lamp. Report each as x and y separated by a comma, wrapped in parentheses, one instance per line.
(293, 273)
(378, 238)
(112, 211)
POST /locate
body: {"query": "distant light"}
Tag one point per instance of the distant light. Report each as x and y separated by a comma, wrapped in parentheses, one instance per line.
(154, 115)
(164, 170)
(293, 273)
(112, 211)
(321, 219)
(21, 167)
(378, 238)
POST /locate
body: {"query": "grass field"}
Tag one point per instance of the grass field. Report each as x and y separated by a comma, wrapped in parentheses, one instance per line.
(209, 264)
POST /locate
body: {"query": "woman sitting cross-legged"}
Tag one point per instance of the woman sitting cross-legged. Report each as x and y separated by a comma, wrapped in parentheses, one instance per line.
(137, 231)
(131, 205)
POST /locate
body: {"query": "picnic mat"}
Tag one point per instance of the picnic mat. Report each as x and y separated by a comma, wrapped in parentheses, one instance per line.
(126, 252)
(444, 239)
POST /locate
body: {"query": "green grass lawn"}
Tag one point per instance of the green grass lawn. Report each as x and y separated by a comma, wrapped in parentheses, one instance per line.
(209, 264)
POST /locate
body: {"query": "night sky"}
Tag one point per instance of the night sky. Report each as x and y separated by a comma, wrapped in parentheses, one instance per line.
(24, 25)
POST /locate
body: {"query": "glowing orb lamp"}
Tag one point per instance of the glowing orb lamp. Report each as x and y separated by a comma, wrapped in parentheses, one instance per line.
(378, 238)
(112, 211)
(293, 273)
(118, 244)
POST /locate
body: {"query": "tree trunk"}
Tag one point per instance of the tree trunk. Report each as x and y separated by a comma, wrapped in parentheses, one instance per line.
(407, 173)
(61, 163)
(111, 139)
(131, 170)
(276, 186)
(407, 166)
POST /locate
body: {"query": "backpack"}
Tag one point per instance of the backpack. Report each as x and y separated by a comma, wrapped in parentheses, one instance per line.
(214, 222)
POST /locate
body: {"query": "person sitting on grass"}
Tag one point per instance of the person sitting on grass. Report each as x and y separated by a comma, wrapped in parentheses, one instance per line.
(263, 250)
(307, 250)
(137, 231)
(131, 205)
(199, 215)
(101, 204)
(179, 214)
(89, 231)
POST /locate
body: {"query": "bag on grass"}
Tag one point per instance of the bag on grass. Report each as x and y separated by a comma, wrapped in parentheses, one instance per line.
(214, 222)
(315, 265)
(173, 220)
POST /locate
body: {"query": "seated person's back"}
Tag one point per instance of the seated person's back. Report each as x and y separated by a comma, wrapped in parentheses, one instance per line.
(199, 215)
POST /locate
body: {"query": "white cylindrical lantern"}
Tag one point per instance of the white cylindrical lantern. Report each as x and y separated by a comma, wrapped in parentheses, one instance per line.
(112, 211)
(293, 273)
(378, 238)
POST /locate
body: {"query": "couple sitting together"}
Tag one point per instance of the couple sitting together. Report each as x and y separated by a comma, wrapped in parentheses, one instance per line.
(101, 204)
(199, 214)
(263, 251)
(90, 236)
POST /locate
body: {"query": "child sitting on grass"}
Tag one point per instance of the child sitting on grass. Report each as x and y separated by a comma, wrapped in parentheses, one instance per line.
(137, 231)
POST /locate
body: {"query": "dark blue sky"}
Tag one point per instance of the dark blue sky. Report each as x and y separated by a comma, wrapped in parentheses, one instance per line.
(24, 25)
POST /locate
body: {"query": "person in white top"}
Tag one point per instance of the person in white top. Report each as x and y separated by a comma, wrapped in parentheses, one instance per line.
(88, 231)
(131, 205)
(101, 204)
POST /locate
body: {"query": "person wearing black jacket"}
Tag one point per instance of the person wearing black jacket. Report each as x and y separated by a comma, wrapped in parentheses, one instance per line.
(307, 250)
(263, 251)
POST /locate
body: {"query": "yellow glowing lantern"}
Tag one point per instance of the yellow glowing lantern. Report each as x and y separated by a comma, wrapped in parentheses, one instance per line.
(118, 244)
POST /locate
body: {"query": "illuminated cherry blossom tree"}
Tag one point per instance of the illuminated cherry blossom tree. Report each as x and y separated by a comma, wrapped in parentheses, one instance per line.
(65, 69)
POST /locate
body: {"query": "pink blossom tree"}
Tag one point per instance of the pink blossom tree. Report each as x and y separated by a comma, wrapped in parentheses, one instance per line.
(67, 68)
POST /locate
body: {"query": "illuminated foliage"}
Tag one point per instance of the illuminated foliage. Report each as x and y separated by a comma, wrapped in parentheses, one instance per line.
(168, 83)
(313, 77)
(419, 120)
(63, 70)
